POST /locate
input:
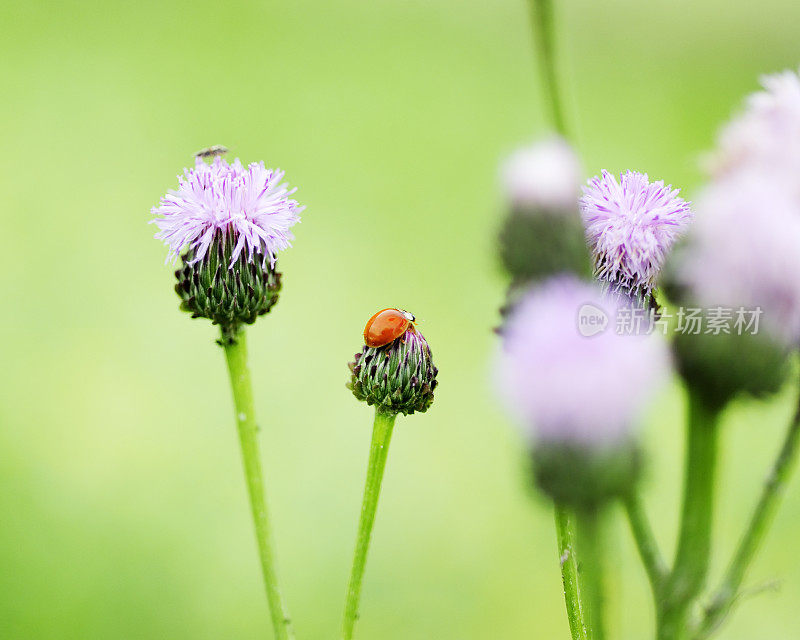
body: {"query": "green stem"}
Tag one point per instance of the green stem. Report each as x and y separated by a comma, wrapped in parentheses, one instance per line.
(379, 449)
(565, 532)
(541, 16)
(236, 355)
(694, 543)
(590, 547)
(544, 38)
(646, 544)
(757, 528)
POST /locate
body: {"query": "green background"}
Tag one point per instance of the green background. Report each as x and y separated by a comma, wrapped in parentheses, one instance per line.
(122, 502)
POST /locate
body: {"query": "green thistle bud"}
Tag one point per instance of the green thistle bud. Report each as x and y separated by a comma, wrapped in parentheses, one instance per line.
(227, 294)
(586, 476)
(538, 244)
(719, 367)
(399, 377)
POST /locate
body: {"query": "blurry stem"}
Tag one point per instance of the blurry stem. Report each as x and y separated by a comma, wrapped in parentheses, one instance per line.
(689, 572)
(544, 39)
(379, 449)
(590, 547)
(646, 543)
(565, 532)
(235, 347)
(759, 523)
(541, 16)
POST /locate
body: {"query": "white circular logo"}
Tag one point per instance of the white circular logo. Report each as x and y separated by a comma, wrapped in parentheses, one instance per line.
(591, 320)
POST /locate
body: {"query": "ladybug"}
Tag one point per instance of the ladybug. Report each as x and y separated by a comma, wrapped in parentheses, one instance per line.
(387, 326)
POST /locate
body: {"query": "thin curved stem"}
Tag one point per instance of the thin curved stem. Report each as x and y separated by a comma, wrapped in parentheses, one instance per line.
(544, 39)
(379, 449)
(760, 520)
(565, 532)
(236, 355)
(654, 565)
(689, 571)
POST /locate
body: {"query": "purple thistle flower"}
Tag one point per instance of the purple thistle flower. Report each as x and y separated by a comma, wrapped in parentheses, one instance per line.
(566, 386)
(631, 226)
(545, 176)
(745, 251)
(220, 198)
(766, 135)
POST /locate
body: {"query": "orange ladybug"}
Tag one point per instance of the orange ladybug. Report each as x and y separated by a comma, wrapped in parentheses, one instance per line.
(387, 326)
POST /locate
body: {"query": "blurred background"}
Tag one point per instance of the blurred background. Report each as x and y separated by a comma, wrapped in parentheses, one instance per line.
(123, 511)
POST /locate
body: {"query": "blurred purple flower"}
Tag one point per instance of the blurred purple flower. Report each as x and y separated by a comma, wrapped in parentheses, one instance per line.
(544, 175)
(745, 251)
(631, 226)
(565, 380)
(216, 198)
(766, 135)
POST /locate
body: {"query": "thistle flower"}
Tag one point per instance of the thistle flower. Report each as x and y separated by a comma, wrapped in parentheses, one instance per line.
(543, 176)
(577, 396)
(765, 137)
(742, 257)
(230, 222)
(565, 386)
(226, 199)
(631, 225)
(745, 252)
(542, 234)
(399, 377)
(227, 223)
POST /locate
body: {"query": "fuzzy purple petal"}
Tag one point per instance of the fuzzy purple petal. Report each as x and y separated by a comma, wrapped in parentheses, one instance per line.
(631, 226)
(251, 203)
(566, 387)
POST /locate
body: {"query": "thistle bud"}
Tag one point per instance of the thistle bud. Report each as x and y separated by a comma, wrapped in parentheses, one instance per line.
(718, 367)
(543, 234)
(534, 247)
(227, 292)
(398, 377)
(584, 476)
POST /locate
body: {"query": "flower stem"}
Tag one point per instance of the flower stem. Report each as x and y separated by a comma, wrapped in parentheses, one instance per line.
(590, 547)
(690, 569)
(565, 533)
(541, 16)
(236, 355)
(379, 449)
(544, 37)
(757, 527)
(646, 543)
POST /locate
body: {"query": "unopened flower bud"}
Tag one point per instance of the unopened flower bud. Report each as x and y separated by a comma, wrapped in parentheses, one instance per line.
(534, 247)
(228, 293)
(718, 367)
(398, 377)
